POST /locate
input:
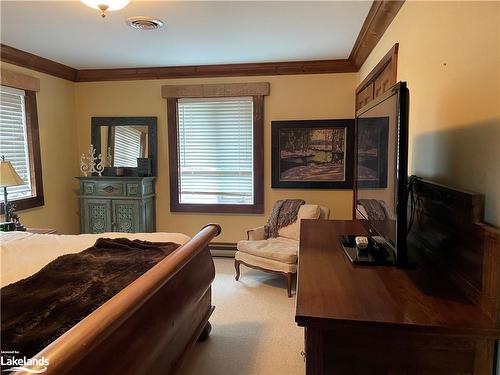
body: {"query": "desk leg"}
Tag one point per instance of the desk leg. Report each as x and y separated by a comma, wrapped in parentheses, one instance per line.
(314, 352)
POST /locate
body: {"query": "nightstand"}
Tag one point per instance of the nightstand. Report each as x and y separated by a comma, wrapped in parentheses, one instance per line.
(41, 230)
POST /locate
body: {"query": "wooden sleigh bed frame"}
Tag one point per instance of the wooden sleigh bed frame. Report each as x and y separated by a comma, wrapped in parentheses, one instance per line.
(149, 326)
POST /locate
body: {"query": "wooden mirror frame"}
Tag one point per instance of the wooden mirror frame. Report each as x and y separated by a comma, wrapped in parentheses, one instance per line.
(150, 122)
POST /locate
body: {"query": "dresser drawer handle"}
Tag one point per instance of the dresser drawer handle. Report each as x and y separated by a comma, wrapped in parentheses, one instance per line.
(109, 188)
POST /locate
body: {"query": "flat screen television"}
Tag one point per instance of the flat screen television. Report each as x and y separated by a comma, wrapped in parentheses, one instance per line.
(381, 170)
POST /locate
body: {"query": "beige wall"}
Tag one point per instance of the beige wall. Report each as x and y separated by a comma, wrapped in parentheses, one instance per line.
(292, 97)
(449, 53)
(56, 119)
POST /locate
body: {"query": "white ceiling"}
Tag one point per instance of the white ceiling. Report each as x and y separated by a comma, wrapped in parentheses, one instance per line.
(196, 33)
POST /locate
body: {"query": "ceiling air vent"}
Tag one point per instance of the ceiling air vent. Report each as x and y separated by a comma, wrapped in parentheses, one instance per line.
(144, 23)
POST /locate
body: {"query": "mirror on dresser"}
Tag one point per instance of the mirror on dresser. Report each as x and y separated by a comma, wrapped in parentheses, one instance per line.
(128, 143)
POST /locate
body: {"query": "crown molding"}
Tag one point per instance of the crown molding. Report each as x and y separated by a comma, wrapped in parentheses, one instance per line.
(28, 60)
(380, 16)
(222, 70)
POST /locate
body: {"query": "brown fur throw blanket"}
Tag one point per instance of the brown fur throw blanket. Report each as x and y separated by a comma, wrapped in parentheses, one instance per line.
(39, 309)
(284, 213)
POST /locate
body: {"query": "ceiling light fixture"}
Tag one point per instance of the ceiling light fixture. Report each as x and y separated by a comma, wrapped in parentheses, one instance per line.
(105, 5)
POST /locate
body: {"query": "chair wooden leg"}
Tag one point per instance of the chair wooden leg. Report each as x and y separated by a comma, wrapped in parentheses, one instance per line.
(237, 268)
(289, 278)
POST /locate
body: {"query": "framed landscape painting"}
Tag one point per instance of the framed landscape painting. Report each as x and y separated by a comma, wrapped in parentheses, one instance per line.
(372, 152)
(312, 154)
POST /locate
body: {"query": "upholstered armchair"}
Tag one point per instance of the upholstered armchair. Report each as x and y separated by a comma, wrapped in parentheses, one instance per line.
(373, 209)
(276, 255)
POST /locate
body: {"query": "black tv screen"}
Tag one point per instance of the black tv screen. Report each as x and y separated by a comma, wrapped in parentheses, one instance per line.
(381, 168)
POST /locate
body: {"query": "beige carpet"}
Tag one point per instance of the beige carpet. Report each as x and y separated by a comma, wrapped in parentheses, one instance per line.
(254, 332)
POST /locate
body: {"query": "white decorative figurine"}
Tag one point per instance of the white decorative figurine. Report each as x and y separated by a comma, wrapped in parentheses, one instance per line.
(88, 164)
(84, 167)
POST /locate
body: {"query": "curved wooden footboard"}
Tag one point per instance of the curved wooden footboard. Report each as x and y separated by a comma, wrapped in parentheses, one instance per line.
(147, 327)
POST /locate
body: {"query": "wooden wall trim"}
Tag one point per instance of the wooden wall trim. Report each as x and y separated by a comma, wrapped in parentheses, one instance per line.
(215, 90)
(35, 164)
(28, 60)
(223, 70)
(19, 80)
(380, 79)
(389, 57)
(258, 165)
(34, 152)
(380, 16)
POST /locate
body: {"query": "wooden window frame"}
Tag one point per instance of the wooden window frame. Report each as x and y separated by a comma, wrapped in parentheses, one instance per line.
(390, 58)
(35, 162)
(258, 164)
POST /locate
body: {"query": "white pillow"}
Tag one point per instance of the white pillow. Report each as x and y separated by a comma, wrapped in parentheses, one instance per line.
(306, 211)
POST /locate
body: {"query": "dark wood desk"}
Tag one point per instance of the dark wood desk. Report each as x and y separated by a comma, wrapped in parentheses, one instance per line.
(384, 320)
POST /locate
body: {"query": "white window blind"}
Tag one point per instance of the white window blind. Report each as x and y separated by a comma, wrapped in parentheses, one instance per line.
(13, 139)
(127, 146)
(215, 143)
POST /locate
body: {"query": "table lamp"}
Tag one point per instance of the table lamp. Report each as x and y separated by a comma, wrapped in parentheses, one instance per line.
(8, 177)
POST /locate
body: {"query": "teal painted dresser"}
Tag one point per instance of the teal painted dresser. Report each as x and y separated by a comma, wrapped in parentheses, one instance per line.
(117, 204)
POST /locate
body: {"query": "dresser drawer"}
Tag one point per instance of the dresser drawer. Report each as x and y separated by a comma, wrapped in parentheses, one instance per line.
(112, 189)
(87, 188)
(133, 190)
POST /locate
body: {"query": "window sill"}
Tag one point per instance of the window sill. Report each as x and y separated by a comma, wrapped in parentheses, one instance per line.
(24, 204)
(218, 208)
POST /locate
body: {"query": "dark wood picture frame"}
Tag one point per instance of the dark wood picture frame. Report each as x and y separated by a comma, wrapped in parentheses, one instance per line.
(35, 160)
(150, 121)
(258, 165)
(277, 129)
(380, 125)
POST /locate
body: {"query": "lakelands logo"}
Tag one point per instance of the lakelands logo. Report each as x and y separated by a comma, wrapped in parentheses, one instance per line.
(23, 364)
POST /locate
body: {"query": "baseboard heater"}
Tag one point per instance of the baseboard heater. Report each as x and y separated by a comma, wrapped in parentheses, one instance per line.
(222, 249)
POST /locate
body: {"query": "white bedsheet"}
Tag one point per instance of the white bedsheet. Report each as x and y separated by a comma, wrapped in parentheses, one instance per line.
(22, 254)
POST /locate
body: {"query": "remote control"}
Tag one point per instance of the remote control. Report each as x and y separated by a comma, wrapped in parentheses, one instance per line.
(361, 242)
(379, 240)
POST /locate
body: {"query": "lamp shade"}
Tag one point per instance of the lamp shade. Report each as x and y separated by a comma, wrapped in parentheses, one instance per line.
(8, 175)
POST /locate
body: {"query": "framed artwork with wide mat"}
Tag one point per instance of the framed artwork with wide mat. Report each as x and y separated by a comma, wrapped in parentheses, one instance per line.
(315, 154)
(372, 152)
